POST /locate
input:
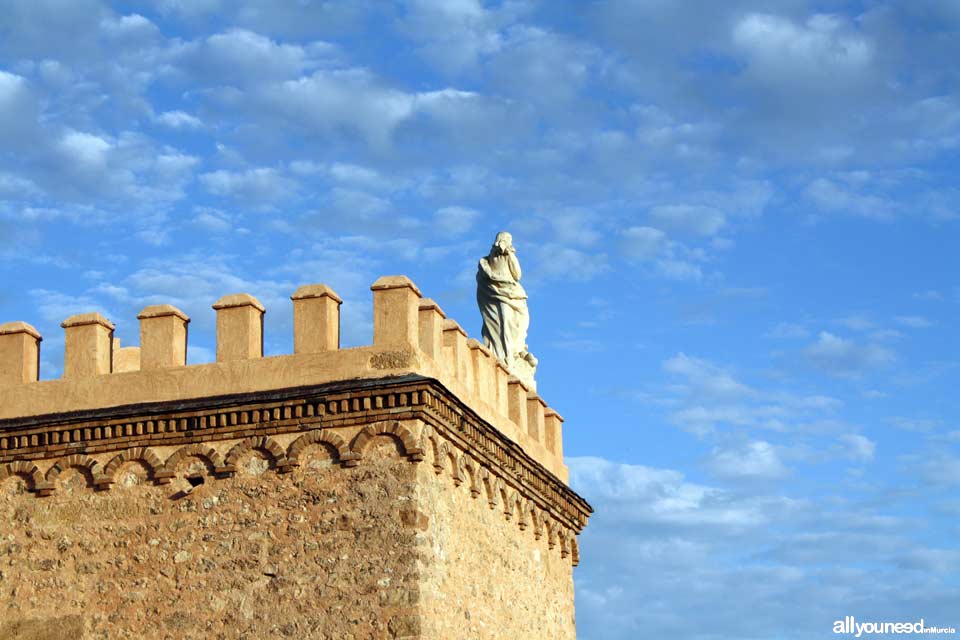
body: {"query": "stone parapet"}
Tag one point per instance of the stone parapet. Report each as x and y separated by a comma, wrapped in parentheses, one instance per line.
(412, 336)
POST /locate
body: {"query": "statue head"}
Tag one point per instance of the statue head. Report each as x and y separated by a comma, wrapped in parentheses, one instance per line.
(502, 242)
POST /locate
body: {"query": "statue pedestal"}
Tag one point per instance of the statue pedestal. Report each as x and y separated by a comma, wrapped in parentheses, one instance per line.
(524, 369)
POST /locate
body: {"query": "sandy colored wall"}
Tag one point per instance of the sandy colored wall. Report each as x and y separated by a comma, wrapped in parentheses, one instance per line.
(324, 551)
(483, 576)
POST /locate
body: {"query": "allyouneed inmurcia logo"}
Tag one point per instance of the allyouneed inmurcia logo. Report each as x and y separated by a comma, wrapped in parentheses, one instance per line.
(849, 625)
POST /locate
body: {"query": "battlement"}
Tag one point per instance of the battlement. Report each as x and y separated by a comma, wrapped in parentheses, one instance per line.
(410, 488)
(411, 336)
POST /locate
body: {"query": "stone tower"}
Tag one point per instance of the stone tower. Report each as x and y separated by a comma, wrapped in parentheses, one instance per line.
(406, 489)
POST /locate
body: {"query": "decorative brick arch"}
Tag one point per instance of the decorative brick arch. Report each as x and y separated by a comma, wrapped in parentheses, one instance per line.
(441, 456)
(510, 501)
(26, 470)
(551, 534)
(257, 443)
(428, 442)
(564, 543)
(85, 464)
(398, 432)
(523, 513)
(143, 455)
(469, 467)
(457, 472)
(537, 518)
(489, 483)
(207, 454)
(322, 437)
(498, 492)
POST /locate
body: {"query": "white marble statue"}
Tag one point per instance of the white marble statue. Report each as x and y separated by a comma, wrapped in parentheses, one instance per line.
(503, 307)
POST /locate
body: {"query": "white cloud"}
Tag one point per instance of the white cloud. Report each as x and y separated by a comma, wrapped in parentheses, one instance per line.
(646, 243)
(914, 322)
(54, 307)
(669, 258)
(575, 226)
(454, 33)
(757, 459)
(18, 112)
(787, 331)
(355, 174)
(642, 551)
(939, 469)
(359, 204)
(860, 448)
(819, 51)
(558, 262)
(213, 220)
(194, 282)
(243, 58)
(695, 219)
(179, 120)
(703, 419)
(843, 357)
(929, 294)
(455, 220)
(706, 378)
(923, 425)
(829, 196)
(130, 28)
(85, 149)
(333, 100)
(661, 496)
(262, 186)
(544, 67)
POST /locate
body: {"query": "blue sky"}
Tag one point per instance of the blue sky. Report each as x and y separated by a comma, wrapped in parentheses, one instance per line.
(737, 222)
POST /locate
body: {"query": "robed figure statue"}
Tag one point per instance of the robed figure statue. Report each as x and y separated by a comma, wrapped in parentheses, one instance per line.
(503, 307)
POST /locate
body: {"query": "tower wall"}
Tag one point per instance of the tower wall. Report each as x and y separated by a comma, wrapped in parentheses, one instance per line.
(373, 492)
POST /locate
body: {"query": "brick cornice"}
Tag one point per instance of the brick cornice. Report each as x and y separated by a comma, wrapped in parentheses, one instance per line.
(24, 441)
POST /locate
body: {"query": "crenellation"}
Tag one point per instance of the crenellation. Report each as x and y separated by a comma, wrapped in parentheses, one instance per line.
(163, 337)
(382, 481)
(125, 358)
(316, 319)
(517, 403)
(88, 346)
(501, 381)
(431, 318)
(457, 353)
(483, 374)
(535, 416)
(553, 431)
(396, 307)
(19, 353)
(412, 335)
(239, 327)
